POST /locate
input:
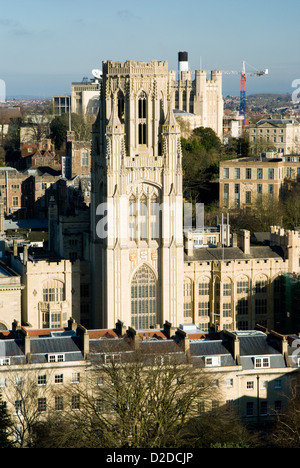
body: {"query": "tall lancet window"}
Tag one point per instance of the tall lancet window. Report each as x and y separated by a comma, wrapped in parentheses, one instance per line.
(143, 299)
(132, 218)
(142, 119)
(154, 218)
(143, 218)
(121, 106)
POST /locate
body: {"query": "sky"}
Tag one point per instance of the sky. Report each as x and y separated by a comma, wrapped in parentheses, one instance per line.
(46, 45)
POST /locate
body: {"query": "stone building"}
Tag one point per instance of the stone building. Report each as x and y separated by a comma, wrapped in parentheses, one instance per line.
(251, 371)
(282, 134)
(248, 181)
(51, 287)
(137, 263)
(238, 286)
(85, 97)
(11, 287)
(198, 97)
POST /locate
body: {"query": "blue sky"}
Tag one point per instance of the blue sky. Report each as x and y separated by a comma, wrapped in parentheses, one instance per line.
(45, 45)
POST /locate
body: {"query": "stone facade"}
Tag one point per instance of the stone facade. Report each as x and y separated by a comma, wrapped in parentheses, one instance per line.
(201, 96)
(245, 182)
(282, 134)
(136, 167)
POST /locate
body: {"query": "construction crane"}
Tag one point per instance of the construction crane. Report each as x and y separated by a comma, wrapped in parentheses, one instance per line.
(243, 85)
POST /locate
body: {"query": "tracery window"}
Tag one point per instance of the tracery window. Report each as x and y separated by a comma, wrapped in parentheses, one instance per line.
(142, 116)
(143, 299)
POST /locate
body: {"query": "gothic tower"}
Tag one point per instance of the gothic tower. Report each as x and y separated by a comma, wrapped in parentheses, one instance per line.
(136, 205)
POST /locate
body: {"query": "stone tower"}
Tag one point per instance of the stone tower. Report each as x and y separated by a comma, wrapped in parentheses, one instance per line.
(136, 203)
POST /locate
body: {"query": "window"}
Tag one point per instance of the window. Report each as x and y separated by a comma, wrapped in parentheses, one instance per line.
(59, 403)
(143, 299)
(59, 379)
(248, 198)
(154, 221)
(259, 191)
(250, 408)
(204, 288)
(242, 307)
(237, 173)
(262, 362)
(143, 218)
(214, 405)
(227, 310)
(260, 173)
(271, 174)
(18, 406)
(142, 116)
(261, 306)
(271, 190)
(215, 383)
(250, 385)
(211, 240)
(15, 201)
(84, 159)
(242, 287)
(278, 384)
(248, 173)
(42, 405)
(213, 361)
(227, 289)
(109, 358)
(261, 286)
(42, 380)
(263, 408)
(75, 377)
(225, 173)
(203, 309)
(243, 325)
(132, 218)
(56, 357)
(229, 383)
(201, 407)
(5, 362)
(53, 291)
(226, 195)
(75, 404)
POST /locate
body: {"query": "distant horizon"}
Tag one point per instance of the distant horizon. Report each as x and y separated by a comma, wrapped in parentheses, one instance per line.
(28, 97)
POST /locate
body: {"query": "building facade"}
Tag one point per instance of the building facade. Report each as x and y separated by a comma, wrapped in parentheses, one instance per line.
(137, 263)
(281, 134)
(247, 182)
(197, 96)
(248, 371)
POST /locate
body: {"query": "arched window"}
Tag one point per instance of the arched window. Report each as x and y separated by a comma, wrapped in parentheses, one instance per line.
(187, 298)
(121, 106)
(143, 299)
(132, 218)
(142, 116)
(142, 106)
(53, 291)
(154, 214)
(143, 218)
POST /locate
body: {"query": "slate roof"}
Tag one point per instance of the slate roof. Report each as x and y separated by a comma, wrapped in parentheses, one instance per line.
(234, 253)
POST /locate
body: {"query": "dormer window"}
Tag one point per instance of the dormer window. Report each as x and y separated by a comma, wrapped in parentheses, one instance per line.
(262, 362)
(212, 361)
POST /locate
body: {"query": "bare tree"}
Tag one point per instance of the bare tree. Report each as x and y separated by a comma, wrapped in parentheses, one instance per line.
(143, 403)
(27, 393)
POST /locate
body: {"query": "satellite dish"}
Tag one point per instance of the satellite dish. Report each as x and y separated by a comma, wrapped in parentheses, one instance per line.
(97, 73)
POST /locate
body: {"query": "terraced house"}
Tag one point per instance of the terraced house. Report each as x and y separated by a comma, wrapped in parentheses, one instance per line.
(247, 370)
